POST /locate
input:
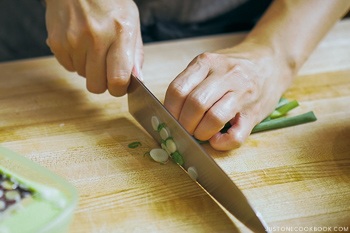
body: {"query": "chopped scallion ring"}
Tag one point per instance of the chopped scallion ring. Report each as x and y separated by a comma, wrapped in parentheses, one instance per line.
(161, 126)
(155, 123)
(164, 133)
(159, 155)
(165, 148)
(170, 144)
(133, 145)
(177, 157)
(192, 172)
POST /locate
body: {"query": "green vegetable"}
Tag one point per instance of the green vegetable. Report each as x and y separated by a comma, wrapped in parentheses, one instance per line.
(134, 145)
(159, 155)
(283, 109)
(177, 157)
(281, 102)
(155, 123)
(192, 172)
(161, 126)
(170, 145)
(285, 122)
(276, 120)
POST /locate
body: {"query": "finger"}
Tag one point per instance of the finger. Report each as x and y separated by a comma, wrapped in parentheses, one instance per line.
(96, 75)
(183, 85)
(61, 54)
(119, 66)
(120, 61)
(217, 116)
(76, 47)
(201, 99)
(79, 61)
(235, 136)
(138, 61)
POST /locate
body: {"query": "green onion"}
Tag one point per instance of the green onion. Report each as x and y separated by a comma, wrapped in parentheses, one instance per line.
(133, 145)
(177, 157)
(155, 123)
(275, 119)
(283, 109)
(192, 172)
(285, 122)
(159, 155)
(170, 145)
(282, 101)
(161, 126)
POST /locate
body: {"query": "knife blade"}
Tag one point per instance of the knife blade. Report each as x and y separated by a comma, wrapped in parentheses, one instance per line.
(143, 105)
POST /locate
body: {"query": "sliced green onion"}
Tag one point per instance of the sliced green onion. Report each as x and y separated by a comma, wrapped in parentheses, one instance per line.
(283, 109)
(177, 157)
(285, 122)
(165, 148)
(159, 155)
(133, 145)
(161, 126)
(170, 144)
(164, 133)
(192, 172)
(155, 123)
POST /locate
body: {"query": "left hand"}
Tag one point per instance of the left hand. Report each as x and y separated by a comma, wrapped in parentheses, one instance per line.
(240, 85)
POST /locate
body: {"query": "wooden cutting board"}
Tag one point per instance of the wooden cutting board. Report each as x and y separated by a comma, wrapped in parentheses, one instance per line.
(296, 177)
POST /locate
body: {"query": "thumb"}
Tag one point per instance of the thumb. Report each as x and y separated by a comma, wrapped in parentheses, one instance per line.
(138, 59)
(235, 136)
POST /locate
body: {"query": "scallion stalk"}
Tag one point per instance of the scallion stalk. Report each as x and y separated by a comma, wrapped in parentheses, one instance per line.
(285, 122)
(283, 109)
(133, 145)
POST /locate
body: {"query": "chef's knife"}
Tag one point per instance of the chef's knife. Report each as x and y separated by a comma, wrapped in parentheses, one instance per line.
(143, 105)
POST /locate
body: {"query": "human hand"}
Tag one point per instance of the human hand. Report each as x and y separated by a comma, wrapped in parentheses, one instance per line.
(240, 85)
(99, 40)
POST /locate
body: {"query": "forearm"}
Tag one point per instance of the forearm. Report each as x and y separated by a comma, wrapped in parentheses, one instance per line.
(293, 28)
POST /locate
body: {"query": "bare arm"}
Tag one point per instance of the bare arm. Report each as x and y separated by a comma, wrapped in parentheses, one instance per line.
(294, 28)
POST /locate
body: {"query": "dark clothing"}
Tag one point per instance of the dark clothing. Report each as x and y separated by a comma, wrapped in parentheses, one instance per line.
(202, 17)
(23, 31)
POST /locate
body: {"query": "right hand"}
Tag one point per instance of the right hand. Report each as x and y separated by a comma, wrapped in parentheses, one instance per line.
(100, 40)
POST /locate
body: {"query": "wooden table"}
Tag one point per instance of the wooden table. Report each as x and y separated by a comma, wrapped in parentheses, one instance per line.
(296, 177)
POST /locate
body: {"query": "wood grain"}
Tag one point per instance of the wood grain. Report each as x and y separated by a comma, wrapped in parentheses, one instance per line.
(297, 177)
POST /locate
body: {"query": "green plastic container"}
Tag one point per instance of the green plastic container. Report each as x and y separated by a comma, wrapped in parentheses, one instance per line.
(48, 203)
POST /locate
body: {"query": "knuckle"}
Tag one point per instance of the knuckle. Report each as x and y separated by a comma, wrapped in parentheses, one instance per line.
(177, 89)
(198, 102)
(89, 31)
(216, 117)
(73, 39)
(125, 30)
(206, 57)
(121, 79)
